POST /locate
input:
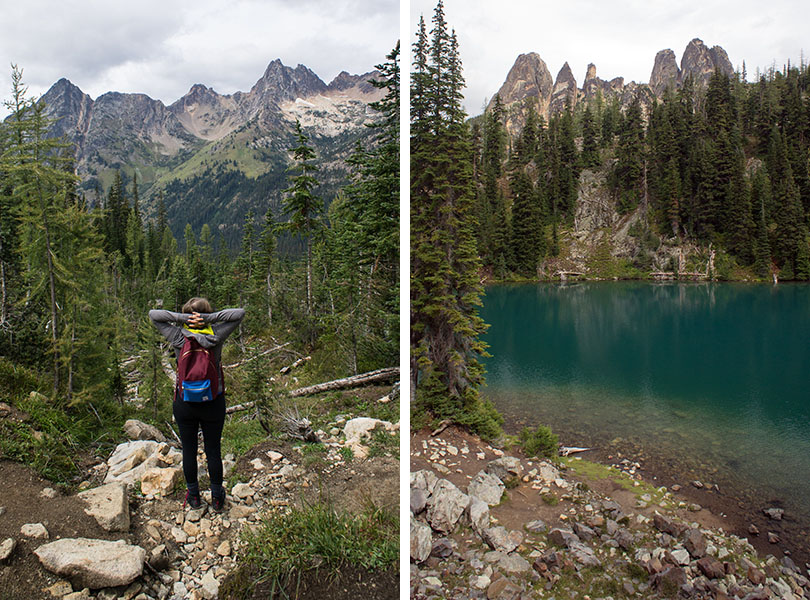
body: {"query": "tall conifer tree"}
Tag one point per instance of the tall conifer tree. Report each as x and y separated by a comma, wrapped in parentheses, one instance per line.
(445, 291)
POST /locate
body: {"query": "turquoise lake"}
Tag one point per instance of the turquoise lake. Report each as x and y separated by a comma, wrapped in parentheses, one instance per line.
(710, 380)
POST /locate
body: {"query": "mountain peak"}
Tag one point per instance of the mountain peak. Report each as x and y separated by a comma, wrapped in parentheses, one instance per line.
(565, 89)
(528, 77)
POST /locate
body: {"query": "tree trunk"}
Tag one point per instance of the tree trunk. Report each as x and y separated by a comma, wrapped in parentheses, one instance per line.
(269, 299)
(309, 271)
(52, 285)
(338, 384)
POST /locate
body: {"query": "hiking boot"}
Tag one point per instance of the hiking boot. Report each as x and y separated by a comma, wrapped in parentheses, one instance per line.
(218, 503)
(193, 500)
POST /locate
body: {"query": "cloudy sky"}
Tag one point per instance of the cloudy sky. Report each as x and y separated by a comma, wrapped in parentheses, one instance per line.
(163, 47)
(621, 37)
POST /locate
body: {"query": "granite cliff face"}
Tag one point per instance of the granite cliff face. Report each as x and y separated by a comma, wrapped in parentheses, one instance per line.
(205, 134)
(565, 90)
(665, 73)
(529, 77)
(698, 60)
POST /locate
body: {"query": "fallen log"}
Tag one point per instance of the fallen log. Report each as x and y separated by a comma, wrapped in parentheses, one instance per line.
(247, 360)
(338, 384)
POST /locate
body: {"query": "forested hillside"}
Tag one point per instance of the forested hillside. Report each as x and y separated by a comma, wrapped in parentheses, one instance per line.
(719, 168)
(76, 280)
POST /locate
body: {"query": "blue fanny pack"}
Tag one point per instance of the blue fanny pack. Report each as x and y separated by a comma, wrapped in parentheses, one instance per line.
(197, 391)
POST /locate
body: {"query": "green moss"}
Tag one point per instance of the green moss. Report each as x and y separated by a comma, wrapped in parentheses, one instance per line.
(593, 470)
(550, 499)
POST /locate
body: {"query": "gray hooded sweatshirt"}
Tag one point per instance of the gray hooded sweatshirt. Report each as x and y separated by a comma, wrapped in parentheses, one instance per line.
(170, 324)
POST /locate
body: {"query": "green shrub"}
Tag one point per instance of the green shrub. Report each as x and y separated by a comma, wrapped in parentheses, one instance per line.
(539, 442)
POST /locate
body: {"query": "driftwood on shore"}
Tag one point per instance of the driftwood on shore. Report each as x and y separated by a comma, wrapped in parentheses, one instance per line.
(338, 384)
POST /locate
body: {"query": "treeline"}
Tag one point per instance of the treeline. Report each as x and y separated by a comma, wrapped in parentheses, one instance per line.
(77, 281)
(727, 164)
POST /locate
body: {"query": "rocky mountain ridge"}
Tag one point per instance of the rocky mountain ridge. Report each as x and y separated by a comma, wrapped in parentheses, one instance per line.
(244, 132)
(530, 78)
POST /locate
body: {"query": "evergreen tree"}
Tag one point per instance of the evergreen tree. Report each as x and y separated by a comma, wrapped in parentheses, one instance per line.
(629, 170)
(526, 232)
(590, 141)
(445, 291)
(302, 205)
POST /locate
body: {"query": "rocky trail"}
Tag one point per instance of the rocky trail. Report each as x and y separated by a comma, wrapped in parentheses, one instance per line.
(126, 535)
(485, 524)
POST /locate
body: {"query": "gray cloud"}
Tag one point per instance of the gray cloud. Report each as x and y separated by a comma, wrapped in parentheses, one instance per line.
(162, 48)
(621, 37)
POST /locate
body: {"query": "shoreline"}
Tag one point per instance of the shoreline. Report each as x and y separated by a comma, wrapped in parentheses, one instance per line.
(736, 511)
(488, 522)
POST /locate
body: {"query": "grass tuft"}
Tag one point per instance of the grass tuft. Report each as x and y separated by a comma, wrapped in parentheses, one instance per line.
(317, 536)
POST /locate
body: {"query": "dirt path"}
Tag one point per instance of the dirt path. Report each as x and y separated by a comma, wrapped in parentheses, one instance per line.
(163, 523)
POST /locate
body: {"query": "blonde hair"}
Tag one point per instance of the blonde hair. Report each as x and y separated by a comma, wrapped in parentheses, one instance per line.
(199, 305)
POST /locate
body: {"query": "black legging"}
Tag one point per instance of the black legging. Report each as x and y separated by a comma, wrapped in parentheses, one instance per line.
(210, 417)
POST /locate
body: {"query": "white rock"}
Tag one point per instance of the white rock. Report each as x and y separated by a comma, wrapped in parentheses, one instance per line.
(129, 461)
(34, 530)
(180, 590)
(209, 586)
(108, 505)
(93, 563)
(361, 427)
(224, 549)
(274, 456)
(257, 463)
(6, 548)
(160, 481)
(487, 487)
(242, 490)
(446, 505)
(241, 512)
(180, 536)
(49, 493)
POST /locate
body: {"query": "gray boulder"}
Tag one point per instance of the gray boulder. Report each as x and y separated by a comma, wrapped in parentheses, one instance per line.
(486, 487)
(584, 554)
(695, 543)
(514, 564)
(419, 499)
(501, 540)
(108, 505)
(445, 506)
(138, 430)
(505, 468)
(478, 514)
(421, 541)
(424, 480)
(93, 563)
(563, 537)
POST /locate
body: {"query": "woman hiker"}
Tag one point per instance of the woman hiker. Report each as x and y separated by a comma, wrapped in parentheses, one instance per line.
(201, 332)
